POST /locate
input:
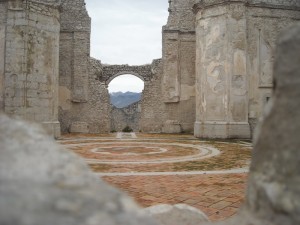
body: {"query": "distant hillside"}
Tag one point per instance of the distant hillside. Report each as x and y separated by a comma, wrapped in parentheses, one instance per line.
(121, 100)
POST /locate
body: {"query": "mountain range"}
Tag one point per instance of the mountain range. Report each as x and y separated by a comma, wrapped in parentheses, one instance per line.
(121, 100)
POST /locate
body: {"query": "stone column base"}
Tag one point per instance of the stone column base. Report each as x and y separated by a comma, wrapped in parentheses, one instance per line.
(52, 128)
(222, 130)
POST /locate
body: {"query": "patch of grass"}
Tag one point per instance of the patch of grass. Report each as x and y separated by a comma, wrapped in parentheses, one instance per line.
(232, 156)
(127, 129)
(100, 167)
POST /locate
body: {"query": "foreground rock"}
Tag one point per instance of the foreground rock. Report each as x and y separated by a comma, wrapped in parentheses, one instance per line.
(40, 183)
(180, 214)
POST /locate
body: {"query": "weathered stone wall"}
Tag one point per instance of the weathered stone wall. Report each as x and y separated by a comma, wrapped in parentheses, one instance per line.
(29, 62)
(178, 61)
(235, 50)
(83, 99)
(263, 26)
(153, 108)
(150, 99)
(127, 116)
(3, 18)
(91, 116)
(75, 48)
(79, 113)
(110, 72)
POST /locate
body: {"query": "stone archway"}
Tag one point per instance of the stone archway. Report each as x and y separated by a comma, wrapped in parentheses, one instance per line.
(128, 116)
(110, 72)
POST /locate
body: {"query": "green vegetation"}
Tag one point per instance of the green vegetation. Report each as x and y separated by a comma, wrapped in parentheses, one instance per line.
(127, 129)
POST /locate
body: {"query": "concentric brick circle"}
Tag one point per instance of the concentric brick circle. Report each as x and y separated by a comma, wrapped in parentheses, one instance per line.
(138, 152)
(171, 169)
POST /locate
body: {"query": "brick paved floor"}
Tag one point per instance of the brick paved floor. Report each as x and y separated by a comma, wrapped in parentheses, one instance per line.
(218, 195)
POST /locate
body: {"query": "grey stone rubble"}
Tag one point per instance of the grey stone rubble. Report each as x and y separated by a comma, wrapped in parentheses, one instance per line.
(179, 214)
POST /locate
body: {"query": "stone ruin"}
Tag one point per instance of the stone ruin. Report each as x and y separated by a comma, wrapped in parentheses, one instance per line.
(128, 116)
(213, 79)
(41, 183)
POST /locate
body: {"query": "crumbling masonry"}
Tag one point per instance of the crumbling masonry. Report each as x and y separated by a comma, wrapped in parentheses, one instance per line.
(214, 77)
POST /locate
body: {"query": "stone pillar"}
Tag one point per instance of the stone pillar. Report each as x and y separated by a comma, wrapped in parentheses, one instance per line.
(171, 78)
(178, 38)
(75, 49)
(221, 70)
(74, 86)
(81, 53)
(178, 80)
(31, 62)
(3, 12)
(273, 190)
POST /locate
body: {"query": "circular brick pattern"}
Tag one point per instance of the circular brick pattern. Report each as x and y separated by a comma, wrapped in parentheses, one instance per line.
(132, 152)
(170, 169)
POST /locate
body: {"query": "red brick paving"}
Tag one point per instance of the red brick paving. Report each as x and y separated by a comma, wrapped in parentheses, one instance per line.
(219, 196)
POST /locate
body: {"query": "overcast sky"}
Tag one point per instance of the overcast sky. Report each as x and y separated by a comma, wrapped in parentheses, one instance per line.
(127, 32)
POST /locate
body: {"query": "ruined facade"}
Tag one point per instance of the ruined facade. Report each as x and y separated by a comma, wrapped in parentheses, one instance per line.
(83, 100)
(128, 116)
(213, 79)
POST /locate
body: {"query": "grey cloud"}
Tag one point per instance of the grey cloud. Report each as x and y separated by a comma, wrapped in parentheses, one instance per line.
(127, 31)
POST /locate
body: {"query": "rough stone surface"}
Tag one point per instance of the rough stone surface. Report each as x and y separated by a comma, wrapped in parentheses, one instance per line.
(178, 64)
(179, 214)
(79, 127)
(152, 107)
(74, 58)
(235, 57)
(273, 191)
(41, 183)
(29, 50)
(127, 116)
(109, 72)
(95, 112)
(172, 127)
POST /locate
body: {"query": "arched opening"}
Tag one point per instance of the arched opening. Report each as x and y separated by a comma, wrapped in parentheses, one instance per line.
(125, 90)
(125, 97)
